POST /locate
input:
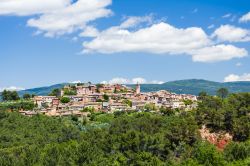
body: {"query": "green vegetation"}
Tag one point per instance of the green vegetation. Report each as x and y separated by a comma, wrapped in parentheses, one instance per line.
(123, 91)
(55, 92)
(167, 111)
(130, 138)
(222, 92)
(230, 114)
(12, 101)
(88, 109)
(98, 86)
(10, 95)
(65, 100)
(26, 96)
(150, 107)
(106, 97)
(27, 141)
(188, 102)
(17, 105)
(202, 95)
(128, 102)
(69, 92)
(237, 151)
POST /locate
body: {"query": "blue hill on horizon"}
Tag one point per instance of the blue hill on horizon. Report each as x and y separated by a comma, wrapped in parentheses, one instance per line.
(195, 86)
(189, 86)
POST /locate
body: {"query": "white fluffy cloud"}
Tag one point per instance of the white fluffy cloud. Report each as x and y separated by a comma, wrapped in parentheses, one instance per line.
(159, 38)
(118, 80)
(135, 21)
(89, 31)
(140, 80)
(232, 34)
(71, 18)
(245, 18)
(11, 88)
(135, 34)
(218, 53)
(156, 82)
(162, 38)
(30, 7)
(76, 82)
(57, 17)
(234, 77)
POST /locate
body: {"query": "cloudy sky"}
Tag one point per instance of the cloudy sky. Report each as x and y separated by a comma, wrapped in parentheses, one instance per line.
(43, 42)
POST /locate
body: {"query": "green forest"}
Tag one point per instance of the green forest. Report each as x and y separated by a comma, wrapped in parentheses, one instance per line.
(167, 137)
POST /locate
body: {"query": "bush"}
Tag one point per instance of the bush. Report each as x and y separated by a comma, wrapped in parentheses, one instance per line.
(65, 100)
(237, 151)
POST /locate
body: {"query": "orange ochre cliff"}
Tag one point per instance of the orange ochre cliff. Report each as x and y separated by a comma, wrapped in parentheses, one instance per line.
(220, 140)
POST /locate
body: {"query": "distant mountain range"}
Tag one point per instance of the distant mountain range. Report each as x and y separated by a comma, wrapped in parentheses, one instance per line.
(195, 86)
(191, 86)
(42, 90)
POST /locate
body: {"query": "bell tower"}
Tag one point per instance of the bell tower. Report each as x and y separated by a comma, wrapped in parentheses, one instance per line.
(137, 89)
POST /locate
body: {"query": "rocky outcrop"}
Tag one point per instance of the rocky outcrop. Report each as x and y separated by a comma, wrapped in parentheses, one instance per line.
(220, 140)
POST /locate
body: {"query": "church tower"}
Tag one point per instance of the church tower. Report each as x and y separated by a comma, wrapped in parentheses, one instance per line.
(138, 89)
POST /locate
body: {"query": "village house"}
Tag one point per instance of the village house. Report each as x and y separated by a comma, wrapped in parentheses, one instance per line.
(82, 90)
(77, 106)
(137, 105)
(96, 105)
(40, 100)
(74, 98)
(118, 107)
(92, 96)
(177, 104)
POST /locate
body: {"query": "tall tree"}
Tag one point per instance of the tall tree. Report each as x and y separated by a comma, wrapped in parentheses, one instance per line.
(202, 95)
(55, 92)
(26, 96)
(10, 95)
(106, 97)
(222, 92)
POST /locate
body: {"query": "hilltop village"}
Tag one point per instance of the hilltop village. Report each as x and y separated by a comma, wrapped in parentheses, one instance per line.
(79, 99)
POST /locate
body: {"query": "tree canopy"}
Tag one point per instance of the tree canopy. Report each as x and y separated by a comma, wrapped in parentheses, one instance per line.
(26, 96)
(65, 100)
(10, 95)
(55, 92)
(129, 138)
(222, 92)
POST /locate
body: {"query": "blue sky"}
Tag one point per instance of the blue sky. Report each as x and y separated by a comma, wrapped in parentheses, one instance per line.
(127, 41)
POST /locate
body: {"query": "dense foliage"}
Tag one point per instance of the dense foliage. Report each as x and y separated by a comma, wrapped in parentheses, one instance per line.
(69, 92)
(27, 96)
(55, 92)
(17, 105)
(10, 95)
(231, 114)
(65, 100)
(162, 138)
(222, 92)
